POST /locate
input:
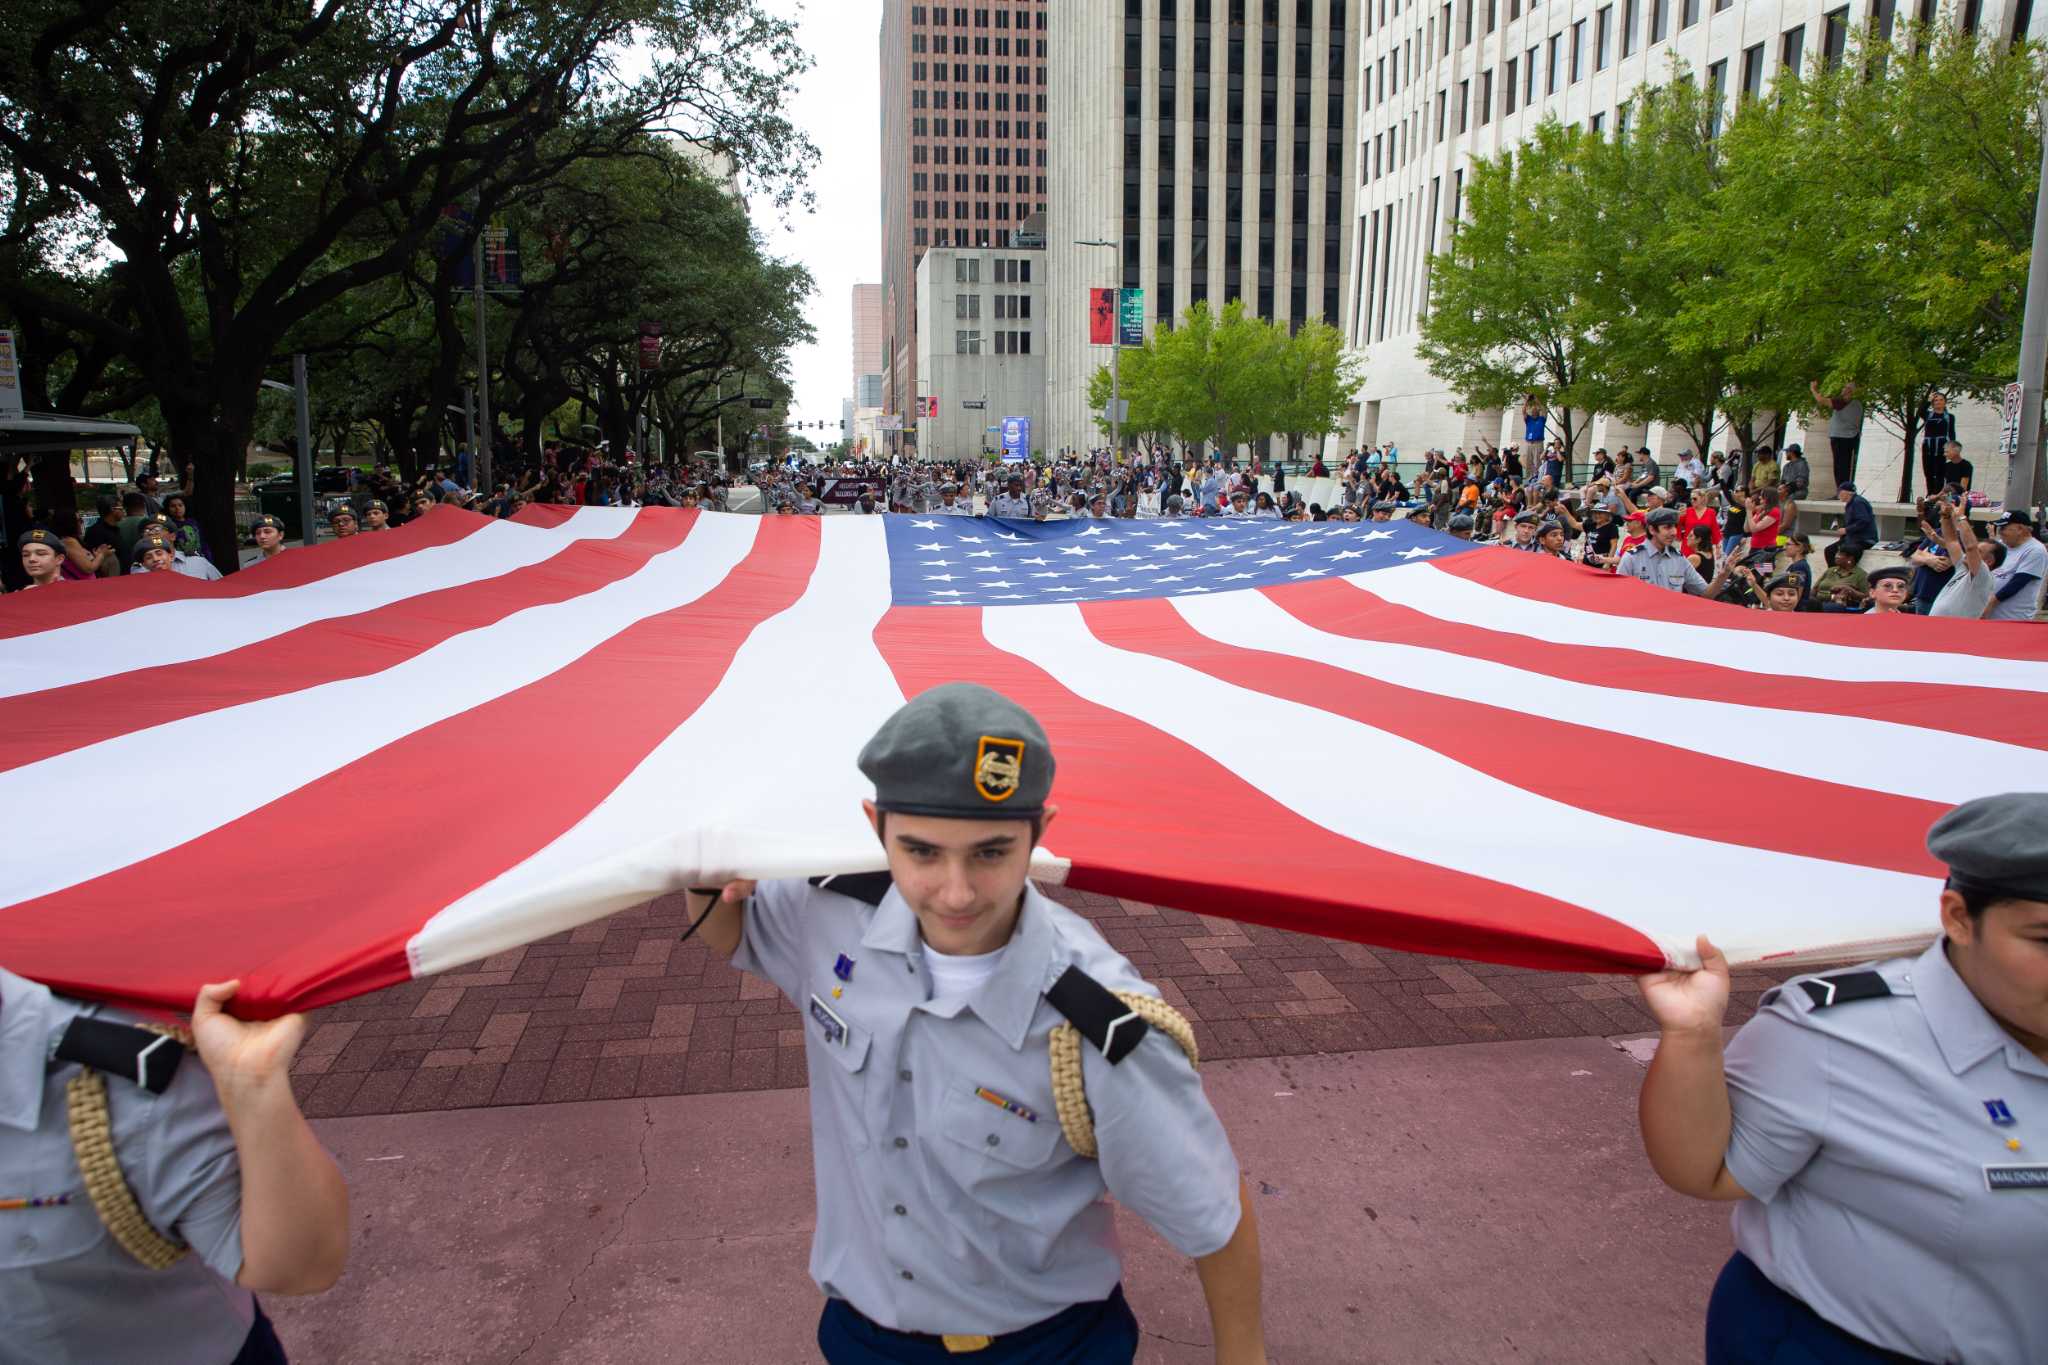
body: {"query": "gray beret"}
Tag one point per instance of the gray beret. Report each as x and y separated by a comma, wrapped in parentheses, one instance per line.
(1663, 516)
(962, 752)
(1384, 505)
(1461, 521)
(1997, 844)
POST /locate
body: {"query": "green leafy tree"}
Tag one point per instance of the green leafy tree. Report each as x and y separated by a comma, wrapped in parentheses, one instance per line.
(1215, 377)
(244, 166)
(1879, 212)
(1316, 382)
(1510, 312)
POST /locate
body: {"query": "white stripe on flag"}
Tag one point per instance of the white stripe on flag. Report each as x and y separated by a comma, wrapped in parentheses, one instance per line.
(760, 781)
(1447, 597)
(199, 628)
(1880, 755)
(237, 759)
(1390, 793)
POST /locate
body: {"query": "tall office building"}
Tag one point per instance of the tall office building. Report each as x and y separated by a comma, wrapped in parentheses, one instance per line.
(867, 335)
(963, 149)
(1210, 141)
(1443, 83)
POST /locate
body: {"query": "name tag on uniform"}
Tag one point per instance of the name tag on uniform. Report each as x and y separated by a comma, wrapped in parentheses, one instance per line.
(2016, 1179)
(829, 1022)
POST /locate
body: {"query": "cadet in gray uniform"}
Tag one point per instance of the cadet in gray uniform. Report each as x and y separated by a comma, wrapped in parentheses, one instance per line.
(1011, 502)
(217, 1189)
(955, 1215)
(1885, 1128)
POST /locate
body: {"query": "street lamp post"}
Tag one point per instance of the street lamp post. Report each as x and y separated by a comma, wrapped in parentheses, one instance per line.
(303, 465)
(1115, 347)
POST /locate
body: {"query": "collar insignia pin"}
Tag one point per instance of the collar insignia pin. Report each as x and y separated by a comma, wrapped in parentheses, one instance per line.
(2000, 1114)
(843, 969)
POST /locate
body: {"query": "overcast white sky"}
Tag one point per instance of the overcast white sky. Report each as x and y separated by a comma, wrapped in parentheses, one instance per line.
(840, 107)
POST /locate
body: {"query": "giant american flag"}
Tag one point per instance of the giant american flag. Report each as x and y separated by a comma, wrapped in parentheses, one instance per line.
(389, 756)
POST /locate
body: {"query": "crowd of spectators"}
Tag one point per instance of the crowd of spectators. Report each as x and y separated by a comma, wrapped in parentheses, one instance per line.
(1724, 527)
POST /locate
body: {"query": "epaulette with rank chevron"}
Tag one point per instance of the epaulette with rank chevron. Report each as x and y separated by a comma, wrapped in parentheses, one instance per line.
(144, 1056)
(1839, 988)
(866, 887)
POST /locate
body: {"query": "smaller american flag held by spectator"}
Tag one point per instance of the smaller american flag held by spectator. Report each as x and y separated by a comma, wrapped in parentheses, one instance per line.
(390, 756)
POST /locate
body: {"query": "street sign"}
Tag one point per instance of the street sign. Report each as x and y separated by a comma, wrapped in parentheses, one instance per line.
(1118, 412)
(974, 403)
(1130, 318)
(760, 402)
(1016, 440)
(2009, 419)
(930, 403)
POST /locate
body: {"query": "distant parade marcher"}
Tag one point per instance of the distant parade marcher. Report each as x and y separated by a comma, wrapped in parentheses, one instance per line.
(343, 520)
(376, 516)
(206, 1185)
(1011, 502)
(984, 1068)
(42, 558)
(1885, 1128)
(268, 533)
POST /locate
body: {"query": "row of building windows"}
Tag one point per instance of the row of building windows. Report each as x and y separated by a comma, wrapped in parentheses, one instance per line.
(936, 16)
(937, 100)
(1013, 343)
(938, 153)
(1531, 76)
(960, 237)
(1011, 271)
(1617, 30)
(918, 183)
(943, 209)
(937, 47)
(936, 73)
(920, 126)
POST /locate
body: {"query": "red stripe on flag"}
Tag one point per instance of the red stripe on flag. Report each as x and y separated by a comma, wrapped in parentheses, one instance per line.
(546, 515)
(1353, 609)
(1639, 781)
(1541, 579)
(1146, 815)
(410, 827)
(74, 604)
(39, 725)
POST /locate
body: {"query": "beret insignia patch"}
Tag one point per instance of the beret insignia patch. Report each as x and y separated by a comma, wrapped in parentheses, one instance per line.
(998, 767)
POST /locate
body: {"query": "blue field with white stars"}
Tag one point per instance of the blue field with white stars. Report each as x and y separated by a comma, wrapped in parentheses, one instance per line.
(988, 561)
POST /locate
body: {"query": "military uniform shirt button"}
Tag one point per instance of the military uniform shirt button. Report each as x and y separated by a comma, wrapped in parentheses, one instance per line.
(903, 1075)
(25, 1242)
(993, 1140)
(907, 1275)
(902, 1142)
(902, 1212)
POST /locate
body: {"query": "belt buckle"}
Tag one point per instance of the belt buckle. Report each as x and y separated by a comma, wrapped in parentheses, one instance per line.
(962, 1343)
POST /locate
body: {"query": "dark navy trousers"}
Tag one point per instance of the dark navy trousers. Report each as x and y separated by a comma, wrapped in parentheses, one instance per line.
(1104, 1333)
(1751, 1321)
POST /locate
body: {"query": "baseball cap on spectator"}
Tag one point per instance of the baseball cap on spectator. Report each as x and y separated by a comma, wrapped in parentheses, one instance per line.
(2014, 517)
(1635, 516)
(1660, 491)
(1793, 448)
(1663, 516)
(1845, 487)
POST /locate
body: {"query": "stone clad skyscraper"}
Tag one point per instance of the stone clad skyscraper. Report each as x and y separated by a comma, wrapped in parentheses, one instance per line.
(964, 102)
(1211, 141)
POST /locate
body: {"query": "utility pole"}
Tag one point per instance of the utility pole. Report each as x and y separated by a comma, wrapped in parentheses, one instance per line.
(480, 453)
(2020, 488)
(303, 401)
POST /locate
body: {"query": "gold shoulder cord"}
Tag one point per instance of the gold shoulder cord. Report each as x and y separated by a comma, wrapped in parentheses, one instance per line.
(92, 1143)
(1070, 1097)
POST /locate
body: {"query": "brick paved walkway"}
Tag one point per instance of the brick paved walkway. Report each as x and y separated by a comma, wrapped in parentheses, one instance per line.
(618, 1008)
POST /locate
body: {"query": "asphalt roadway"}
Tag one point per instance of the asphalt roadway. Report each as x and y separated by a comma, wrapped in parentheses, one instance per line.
(1451, 1202)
